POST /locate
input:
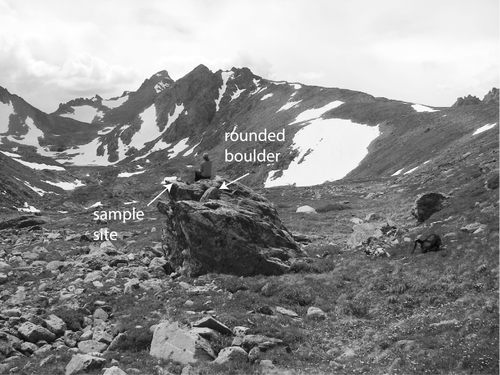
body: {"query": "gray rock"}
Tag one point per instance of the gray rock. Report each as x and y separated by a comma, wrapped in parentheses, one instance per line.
(55, 325)
(84, 363)
(5, 267)
(316, 313)
(231, 354)
(372, 217)
(91, 346)
(28, 347)
(362, 232)
(101, 335)
(287, 312)
(71, 338)
(174, 343)
(117, 341)
(472, 227)
(306, 210)
(100, 314)
(263, 342)
(114, 370)
(34, 333)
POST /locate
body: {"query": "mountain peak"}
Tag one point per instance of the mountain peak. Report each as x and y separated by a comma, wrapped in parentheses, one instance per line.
(490, 97)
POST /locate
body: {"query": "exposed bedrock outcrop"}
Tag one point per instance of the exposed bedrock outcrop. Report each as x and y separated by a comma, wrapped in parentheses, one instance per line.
(240, 233)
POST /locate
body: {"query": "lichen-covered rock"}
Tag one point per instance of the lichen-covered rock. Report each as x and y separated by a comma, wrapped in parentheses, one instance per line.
(239, 234)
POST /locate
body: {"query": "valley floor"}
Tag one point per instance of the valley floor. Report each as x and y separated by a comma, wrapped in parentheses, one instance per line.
(433, 313)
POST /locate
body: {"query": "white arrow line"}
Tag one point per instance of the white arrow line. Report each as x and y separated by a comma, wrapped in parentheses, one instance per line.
(169, 186)
(224, 185)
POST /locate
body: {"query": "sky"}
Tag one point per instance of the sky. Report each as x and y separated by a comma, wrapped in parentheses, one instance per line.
(421, 51)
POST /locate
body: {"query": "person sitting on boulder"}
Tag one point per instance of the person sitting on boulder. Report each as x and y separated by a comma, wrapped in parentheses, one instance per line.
(205, 171)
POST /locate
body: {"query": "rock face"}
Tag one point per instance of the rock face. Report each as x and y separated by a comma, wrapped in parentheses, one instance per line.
(240, 233)
(427, 204)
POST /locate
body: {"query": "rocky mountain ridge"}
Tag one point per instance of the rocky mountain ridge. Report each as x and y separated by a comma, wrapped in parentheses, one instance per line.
(164, 126)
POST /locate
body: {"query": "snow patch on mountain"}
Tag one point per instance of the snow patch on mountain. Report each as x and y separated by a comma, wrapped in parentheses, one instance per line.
(105, 131)
(128, 174)
(160, 145)
(38, 166)
(160, 86)
(236, 94)
(39, 191)
(484, 128)
(5, 111)
(86, 155)
(328, 150)
(10, 154)
(225, 78)
(288, 106)
(190, 151)
(266, 96)
(84, 113)
(398, 172)
(423, 108)
(172, 117)
(314, 113)
(149, 129)
(179, 147)
(66, 185)
(115, 102)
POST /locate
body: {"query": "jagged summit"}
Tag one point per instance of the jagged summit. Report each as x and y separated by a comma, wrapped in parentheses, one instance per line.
(171, 122)
(490, 98)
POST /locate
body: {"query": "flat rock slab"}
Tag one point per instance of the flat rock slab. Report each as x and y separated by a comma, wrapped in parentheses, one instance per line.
(174, 343)
(91, 346)
(214, 324)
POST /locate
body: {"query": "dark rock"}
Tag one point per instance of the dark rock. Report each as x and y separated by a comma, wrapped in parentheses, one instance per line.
(22, 222)
(467, 100)
(210, 193)
(241, 234)
(427, 204)
(492, 182)
(214, 324)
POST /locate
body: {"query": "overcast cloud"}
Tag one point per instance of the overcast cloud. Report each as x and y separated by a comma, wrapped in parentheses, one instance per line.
(421, 51)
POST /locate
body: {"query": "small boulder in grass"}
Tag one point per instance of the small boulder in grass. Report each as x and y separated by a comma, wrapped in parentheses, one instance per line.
(306, 209)
(316, 313)
(84, 363)
(231, 354)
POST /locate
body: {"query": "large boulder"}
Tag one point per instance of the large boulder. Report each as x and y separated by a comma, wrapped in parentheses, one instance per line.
(172, 342)
(427, 204)
(240, 233)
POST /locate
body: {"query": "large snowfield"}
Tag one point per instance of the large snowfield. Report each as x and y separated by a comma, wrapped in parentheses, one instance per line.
(329, 149)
